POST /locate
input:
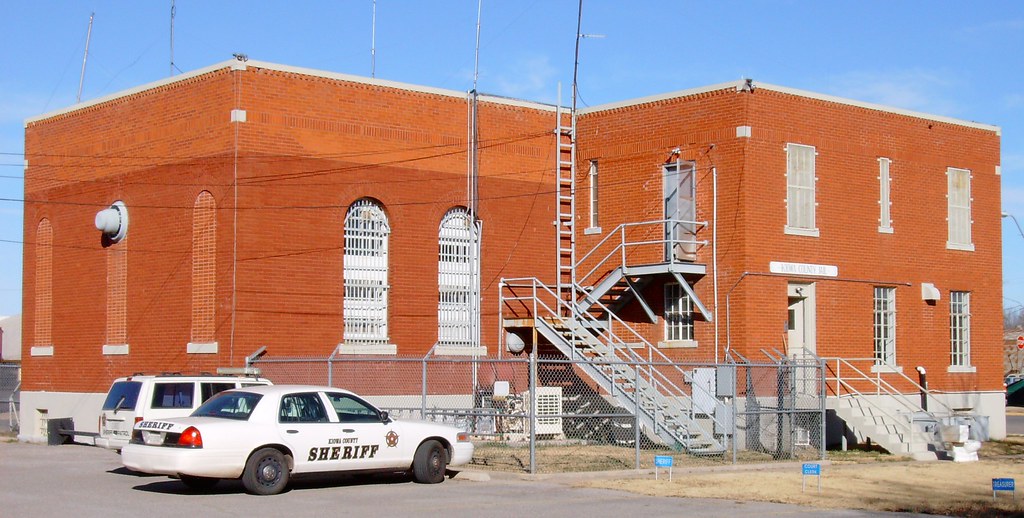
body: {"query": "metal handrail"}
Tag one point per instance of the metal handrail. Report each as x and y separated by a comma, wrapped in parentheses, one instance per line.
(623, 244)
(885, 386)
(655, 377)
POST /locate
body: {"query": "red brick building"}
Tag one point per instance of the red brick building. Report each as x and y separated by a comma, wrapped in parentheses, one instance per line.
(253, 204)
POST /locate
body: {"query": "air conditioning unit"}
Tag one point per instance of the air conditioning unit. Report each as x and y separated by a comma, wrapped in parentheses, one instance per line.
(548, 405)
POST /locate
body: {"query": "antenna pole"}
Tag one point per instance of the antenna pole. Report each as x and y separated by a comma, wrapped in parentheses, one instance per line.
(373, 41)
(474, 173)
(576, 61)
(81, 79)
(172, 37)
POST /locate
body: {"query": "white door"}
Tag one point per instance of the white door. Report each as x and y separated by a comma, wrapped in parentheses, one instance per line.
(679, 193)
(314, 438)
(800, 336)
(376, 444)
(800, 320)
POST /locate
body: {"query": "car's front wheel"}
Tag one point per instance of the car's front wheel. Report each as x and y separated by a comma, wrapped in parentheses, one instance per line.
(429, 464)
(266, 472)
(199, 483)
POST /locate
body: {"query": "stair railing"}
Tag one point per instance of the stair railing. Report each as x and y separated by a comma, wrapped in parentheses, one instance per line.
(625, 243)
(882, 386)
(620, 351)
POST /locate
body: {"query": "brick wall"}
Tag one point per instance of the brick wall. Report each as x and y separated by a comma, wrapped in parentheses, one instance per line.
(631, 143)
(309, 148)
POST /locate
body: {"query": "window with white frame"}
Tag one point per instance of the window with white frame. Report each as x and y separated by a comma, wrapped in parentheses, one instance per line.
(593, 195)
(960, 328)
(678, 314)
(885, 326)
(884, 204)
(800, 185)
(959, 204)
(365, 307)
(457, 279)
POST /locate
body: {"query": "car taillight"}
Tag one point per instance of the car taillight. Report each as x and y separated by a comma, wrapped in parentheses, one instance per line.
(138, 420)
(463, 437)
(191, 438)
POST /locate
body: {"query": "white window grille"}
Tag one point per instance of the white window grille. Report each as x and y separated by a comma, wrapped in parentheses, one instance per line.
(678, 314)
(959, 203)
(456, 279)
(365, 307)
(884, 203)
(885, 326)
(960, 328)
(593, 195)
(800, 186)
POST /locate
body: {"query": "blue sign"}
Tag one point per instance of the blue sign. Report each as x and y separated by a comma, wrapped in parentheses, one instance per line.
(662, 461)
(1002, 484)
(815, 469)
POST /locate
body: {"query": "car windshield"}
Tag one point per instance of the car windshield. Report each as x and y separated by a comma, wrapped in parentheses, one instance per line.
(123, 394)
(229, 405)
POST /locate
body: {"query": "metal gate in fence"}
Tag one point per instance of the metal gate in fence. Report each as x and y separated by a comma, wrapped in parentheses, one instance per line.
(10, 397)
(546, 415)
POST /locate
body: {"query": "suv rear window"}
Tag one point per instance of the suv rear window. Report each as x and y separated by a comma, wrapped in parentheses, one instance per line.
(173, 395)
(124, 392)
(209, 389)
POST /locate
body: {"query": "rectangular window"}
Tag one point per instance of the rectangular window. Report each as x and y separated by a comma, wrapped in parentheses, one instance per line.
(960, 328)
(800, 184)
(884, 218)
(885, 326)
(173, 395)
(678, 314)
(959, 204)
(593, 195)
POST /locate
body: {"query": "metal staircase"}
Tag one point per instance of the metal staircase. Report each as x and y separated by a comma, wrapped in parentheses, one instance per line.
(636, 376)
(875, 411)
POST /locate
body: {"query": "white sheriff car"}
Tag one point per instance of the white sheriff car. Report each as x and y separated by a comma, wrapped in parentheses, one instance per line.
(265, 434)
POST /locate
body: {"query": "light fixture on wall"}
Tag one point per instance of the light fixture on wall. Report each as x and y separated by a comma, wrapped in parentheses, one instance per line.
(113, 222)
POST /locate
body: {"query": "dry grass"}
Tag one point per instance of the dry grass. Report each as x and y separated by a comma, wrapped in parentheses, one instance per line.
(850, 480)
(859, 481)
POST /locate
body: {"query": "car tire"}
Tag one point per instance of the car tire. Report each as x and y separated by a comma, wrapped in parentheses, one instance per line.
(266, 472)
(199, 483)
(430, 462)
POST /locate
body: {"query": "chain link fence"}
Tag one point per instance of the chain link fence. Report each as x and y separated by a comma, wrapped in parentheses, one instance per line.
(10, 397)
(549, 415)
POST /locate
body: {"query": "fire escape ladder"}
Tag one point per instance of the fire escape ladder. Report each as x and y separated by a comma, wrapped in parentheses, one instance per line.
(565, 202)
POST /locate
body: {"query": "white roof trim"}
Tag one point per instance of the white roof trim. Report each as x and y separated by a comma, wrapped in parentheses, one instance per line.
(400, 86)
(736, 85)
(235, 64)
(130, 91)
(879, 107)
(661, 97)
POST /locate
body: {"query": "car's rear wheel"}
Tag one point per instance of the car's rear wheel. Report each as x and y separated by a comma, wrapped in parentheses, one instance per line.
(429, 464)
(200, 483)
(266, 472)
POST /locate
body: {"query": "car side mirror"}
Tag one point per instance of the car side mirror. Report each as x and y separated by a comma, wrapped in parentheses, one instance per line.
(384, 417)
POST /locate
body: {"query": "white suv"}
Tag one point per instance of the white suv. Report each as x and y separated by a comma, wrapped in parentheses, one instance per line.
(134, 398)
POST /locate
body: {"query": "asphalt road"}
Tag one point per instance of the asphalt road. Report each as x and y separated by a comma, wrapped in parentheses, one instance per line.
(1015, 422)
(86, 481)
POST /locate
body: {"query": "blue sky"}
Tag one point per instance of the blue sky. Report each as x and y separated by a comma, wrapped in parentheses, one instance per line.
(957, 59)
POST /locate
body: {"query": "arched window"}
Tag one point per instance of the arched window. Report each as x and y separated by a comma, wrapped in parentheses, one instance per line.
(365, 307)
(117, 297)
(44, 285)
(457, 271)
(204, 269)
